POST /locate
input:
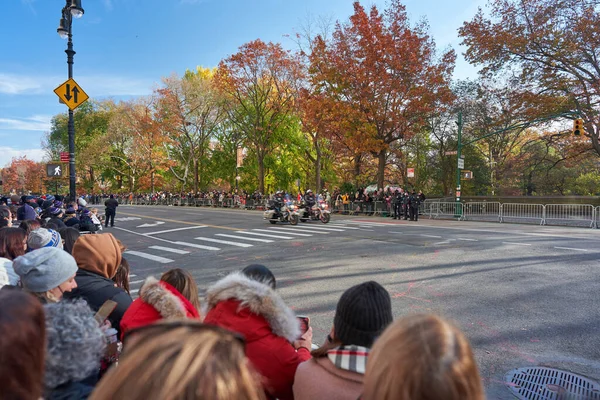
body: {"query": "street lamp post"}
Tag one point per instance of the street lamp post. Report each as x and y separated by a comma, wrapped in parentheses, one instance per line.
(72, 9)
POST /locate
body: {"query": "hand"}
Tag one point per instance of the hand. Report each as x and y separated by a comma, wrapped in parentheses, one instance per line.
(305, 340)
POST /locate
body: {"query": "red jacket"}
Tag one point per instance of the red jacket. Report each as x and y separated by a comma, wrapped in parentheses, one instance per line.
(158, 300)
(257, 312)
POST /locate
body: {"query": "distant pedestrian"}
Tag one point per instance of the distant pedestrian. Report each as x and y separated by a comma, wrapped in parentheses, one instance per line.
(111, 210)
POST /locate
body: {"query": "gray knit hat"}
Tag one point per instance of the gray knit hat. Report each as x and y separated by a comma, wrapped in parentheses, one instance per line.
(43, 237)
(44, 269)
(362, 314)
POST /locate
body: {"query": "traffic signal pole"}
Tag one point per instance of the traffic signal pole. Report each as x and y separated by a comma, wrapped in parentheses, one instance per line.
(459, 122)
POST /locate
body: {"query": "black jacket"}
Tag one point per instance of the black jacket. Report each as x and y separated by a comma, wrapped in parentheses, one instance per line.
(70, 391)
(111, 204)
(96, 289)
(58, 222)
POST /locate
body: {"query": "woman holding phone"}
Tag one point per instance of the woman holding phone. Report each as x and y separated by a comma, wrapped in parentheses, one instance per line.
(337, 368)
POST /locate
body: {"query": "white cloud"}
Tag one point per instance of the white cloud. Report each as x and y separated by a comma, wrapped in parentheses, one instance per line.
(7, 154)
(93, 84)
(15, 84)
(33, 123)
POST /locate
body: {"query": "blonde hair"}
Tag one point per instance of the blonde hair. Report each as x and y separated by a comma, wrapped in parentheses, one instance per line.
(46, 297)
(181, 359)
(94, 210)
(422, 357)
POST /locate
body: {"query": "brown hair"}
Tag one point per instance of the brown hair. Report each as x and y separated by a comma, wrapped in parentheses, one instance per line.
(11, 242)
(22, 345)
(182, 360)
(121, 278)
(30, 225)
(422, 357)
(185, 284)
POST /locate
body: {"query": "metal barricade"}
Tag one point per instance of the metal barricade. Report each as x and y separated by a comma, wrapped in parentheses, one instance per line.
(597, 218)
(571, 214)
(524, 213)
(481, 211)
(446, 210)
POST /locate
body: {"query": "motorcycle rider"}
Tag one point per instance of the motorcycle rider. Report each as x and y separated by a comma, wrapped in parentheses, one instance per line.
(278, 201)
(309, 199)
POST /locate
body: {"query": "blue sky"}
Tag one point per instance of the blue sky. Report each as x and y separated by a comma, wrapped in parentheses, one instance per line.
(125, 47)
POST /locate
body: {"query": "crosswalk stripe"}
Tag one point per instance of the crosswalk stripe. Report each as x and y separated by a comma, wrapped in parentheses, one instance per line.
(134, 291)
(320, 228)
(265, 235)
(152, 257)
(176, 229)
(198, 246)
(224, 242)
(304, 230)
(132, 275)
(244, 238)
(286, 231)
(343, 226)
(170, 250)
(136, 282)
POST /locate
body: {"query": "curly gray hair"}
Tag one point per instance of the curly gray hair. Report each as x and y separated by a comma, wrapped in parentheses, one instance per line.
(75, 343)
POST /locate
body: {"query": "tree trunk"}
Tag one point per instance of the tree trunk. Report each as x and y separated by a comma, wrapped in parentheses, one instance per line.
(357, 160)
(318, 170)
(382, 156)
(152, 181)
(261, 172)
(196, 175)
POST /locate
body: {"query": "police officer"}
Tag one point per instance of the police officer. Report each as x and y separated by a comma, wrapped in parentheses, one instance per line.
(414, 206)
(405, 204)
(397, 203)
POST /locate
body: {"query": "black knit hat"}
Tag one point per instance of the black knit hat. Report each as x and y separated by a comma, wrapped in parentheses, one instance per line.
(362, 314)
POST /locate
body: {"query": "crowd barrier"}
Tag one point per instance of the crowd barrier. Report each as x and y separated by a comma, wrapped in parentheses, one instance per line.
(583, 215)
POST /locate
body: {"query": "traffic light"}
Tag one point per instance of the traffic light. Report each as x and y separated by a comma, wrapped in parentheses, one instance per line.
(578, 127)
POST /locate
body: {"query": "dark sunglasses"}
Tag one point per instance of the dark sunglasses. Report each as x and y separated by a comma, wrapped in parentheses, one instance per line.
(161, 327)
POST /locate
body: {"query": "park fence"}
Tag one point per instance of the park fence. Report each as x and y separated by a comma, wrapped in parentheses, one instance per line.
(582, 215)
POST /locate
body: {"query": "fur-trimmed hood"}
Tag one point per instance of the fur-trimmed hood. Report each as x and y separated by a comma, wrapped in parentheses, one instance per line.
(158, 300)
(156, 294)
(260, 299)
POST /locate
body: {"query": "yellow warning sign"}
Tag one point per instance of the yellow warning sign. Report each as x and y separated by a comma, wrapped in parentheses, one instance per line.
(71, 94)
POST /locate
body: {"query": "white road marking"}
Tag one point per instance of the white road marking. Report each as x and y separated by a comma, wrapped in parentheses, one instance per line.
(125, 219)
(319, 228)
(152, 257)
(136, 282)
(245, 238)
(198, 246)
(444, 242)
(132, 275)
(134, 291)
(175, 230)
(431, 236)
(570, 248)
(468, 240)
(265, 235)
(399, 233)
(517, 244)
(224, 242)
(149, 225)
(344, 226)
(287, 231)
(170, 250)
(304, 230)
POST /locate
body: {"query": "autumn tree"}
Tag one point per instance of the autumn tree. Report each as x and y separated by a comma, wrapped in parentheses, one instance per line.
(24, 175)
(551, 47)
(259, 83)
(390, 75)
(193, 109)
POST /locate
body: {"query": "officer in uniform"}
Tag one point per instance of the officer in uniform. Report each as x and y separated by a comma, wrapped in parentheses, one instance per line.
(414, 206)
(397, 203)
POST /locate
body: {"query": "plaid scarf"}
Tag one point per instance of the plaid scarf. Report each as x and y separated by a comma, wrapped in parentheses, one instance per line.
(350, 358)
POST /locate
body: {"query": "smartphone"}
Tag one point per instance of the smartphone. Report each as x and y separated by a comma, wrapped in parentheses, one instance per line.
(304, 323)
(107, 308)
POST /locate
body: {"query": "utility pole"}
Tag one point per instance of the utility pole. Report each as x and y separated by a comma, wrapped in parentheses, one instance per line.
(459, 123)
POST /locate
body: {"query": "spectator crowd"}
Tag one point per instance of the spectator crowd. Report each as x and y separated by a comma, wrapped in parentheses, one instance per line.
(69, 329)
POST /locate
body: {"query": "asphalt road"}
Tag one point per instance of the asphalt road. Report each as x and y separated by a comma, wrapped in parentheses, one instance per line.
(524, 295)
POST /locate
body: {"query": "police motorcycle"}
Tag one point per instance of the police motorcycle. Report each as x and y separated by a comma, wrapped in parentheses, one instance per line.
(281, 210)
(318, 212)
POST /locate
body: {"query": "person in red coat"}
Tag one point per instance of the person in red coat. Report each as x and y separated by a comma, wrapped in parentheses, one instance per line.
(246, 302)
(174, 296)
